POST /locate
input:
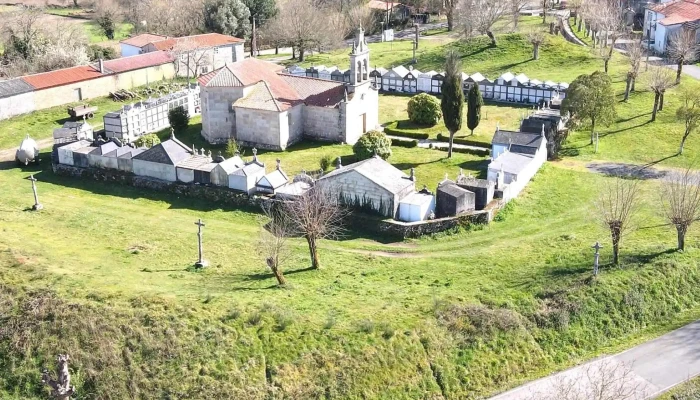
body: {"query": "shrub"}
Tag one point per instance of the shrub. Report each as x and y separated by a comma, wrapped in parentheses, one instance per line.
(232, 147)
(149, 140)
(424, 109)
(370, 143)
(404, 143)
(179, 118)
(96, 52)
(326, 162)
(468, 142)
(393, 129)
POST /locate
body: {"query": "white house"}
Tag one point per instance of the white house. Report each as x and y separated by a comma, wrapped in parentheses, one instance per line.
(197, 54)
(511, 170)
(416, 207)
(663, 20)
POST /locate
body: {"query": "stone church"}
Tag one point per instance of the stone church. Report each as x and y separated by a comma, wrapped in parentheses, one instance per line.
(254, 102)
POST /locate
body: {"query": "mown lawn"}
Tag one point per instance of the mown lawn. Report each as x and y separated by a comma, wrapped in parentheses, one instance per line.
(104, 273)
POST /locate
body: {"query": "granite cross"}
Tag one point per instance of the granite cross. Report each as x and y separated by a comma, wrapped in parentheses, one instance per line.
(201, 262)
(37, 206)
(596, 257)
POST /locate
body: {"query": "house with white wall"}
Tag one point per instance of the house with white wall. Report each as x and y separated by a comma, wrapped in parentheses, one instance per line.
(663, 20)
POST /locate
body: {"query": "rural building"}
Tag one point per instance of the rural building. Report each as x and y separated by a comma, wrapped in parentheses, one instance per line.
(245, 178)
(80, 156)
(483, 190)
(258, 105)
(272, 181)
(196, 55)
(372, 184)
(224, 168)
(49, 89)
(453, 200)
(98, 158)
(197, 164)
(663, 20)
(416, 207)
(160, 161)
(516, 142)
(65, 153)
(124, 157)
(72, 131)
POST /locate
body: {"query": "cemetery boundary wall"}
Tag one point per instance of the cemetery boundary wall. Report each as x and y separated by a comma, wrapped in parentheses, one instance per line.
(385, 227)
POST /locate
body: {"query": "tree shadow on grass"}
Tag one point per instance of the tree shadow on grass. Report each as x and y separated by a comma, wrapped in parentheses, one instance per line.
(269, 275)
(608, 133)
(631, 118)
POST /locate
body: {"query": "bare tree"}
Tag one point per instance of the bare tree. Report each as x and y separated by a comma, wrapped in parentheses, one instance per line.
(479, 17)
(299, 22)
(515, 7)
(273, 244)
(680, 200)
(450, 7)
(536, 37)
(175, 17)
(689, 114)
(61, 389)
(617, 204)
(599, 380)
(635, 53)
(189, 57)
(317, 214)
(682, 48)
(659, 79)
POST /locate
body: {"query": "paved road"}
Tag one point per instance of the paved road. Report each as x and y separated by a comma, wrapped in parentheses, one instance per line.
(642, 372)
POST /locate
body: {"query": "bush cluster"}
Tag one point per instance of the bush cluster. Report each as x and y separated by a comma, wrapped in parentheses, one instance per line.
(179, 118)
(148, 141)
(371, 143)
(424, 109)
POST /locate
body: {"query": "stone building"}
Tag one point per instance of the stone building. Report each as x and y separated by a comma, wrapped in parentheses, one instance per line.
(453, 200)
(196, 55)
(256, 103)
(372, 184)
(160, 161)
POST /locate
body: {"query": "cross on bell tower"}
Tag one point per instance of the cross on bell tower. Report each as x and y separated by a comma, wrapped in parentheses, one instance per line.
(359, 59)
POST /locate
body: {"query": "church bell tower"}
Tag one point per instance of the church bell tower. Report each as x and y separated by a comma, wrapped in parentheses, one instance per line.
(359, 61)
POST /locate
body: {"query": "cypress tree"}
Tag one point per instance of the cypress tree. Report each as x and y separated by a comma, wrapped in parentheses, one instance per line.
(452, 102)
(474, 103)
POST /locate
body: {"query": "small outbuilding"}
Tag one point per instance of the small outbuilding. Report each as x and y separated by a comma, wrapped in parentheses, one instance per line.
(416, 207)
(65, 153)
(124, 155)
(99, 158)
(224, 168)
(160, 161)
(271, 182)
(244, 179)
(483, 190)
(186, 169)
(80, 156)
(453, 200)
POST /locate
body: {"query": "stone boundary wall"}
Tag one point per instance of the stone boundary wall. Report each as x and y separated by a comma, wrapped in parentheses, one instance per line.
(360, 221)
(568, 33)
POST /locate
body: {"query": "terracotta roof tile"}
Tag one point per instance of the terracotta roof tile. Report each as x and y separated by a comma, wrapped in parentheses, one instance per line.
(139, 61)
(205, 40)
(260, 97)
(316, 92)
(678, 11)
(143, 39)
(62, 77)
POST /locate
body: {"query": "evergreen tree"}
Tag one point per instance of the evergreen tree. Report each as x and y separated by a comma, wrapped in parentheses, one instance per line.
(474, 103)
(228, 17)
(591, 97)
(452, 103)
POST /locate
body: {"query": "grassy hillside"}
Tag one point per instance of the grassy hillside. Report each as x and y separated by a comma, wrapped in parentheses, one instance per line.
(103, 273)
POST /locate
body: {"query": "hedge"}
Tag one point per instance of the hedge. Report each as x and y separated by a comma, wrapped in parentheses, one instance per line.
(466, 142)
(404, 143)
(392, 130)
(476, 152)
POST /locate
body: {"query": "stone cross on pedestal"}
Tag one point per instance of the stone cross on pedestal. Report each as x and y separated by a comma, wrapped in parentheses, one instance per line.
(37, 206)
(201, 262)
(596, 257)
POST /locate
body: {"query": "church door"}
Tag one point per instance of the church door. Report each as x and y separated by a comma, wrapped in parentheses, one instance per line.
(364, 122)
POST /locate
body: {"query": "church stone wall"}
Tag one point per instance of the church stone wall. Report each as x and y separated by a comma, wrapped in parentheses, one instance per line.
(258, 128)
(323, 123)
(218, 118)
(295, 121)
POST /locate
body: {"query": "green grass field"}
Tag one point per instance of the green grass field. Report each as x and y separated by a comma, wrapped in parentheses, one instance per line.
(105, 274)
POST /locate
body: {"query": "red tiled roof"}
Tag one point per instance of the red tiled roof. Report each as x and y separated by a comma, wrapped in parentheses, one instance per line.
(678, 11)
(143, 39)
(139, 61)
(286, 90)
(82, 73)
(381, 5)
(62, 77)
(205, 40)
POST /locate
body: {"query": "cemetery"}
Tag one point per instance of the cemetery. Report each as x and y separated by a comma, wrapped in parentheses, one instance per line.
(156, 283)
